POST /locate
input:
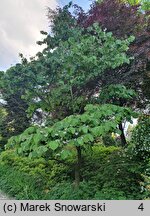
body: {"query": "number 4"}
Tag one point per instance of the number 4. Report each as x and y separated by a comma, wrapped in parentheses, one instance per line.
(141, 207)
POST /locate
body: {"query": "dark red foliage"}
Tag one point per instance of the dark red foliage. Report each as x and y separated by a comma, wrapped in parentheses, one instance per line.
(123, 20)
(117, 17)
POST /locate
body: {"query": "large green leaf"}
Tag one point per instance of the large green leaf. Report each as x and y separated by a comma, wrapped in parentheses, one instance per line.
(80, 141)
(88, 138)
(53, 145)
(65, 153)
(37, 138)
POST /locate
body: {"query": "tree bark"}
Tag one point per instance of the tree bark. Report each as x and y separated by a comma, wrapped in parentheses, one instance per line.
(78, 167)
(122, 136)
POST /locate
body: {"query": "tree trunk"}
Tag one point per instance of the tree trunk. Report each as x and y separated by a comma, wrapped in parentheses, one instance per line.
(122, 136)
(77, 167)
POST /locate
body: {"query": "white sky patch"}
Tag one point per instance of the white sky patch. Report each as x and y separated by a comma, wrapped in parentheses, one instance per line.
(20, 24)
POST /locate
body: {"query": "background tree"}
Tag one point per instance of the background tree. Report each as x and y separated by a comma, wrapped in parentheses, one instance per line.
(121, 96)
(12, 88)
(3, 115)
(140, 142)
(123, 20)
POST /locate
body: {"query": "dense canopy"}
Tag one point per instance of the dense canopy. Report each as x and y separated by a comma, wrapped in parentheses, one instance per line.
(68, 109)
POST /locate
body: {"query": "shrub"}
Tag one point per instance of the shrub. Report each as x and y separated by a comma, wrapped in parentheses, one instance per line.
(114, 172)
(115, 176)
(19, 185)
(25, 178)
(140, 141)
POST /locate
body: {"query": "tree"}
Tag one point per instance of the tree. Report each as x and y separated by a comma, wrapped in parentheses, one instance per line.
(12, 88)
(123, 20)
(69, 70)
(77, 83)
(3, 115)
(71, 135)
(121, 96)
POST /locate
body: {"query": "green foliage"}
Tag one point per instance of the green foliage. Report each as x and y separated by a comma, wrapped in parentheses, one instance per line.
(113, 172)
(39, 179)
(3, 115)
(62, 24)
(73, 131)
(117, 94)
(56, 88)
(12, 86)
(140, 141)
(108, 140)
(35, 175)
(133, 2)
(70, 136)
(110, 194)
(19, 185)
(65, 73)
(24, 164)
(144, 4)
